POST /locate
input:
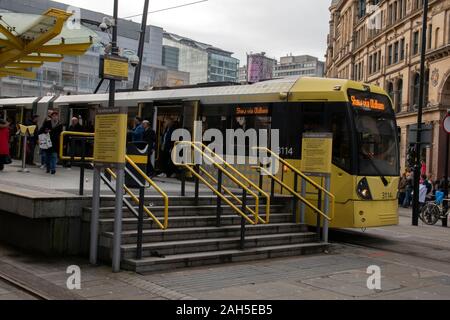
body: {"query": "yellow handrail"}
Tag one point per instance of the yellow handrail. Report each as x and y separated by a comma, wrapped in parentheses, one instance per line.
(230, 176)
(158, 189)
(61, 145)
(211, 187)
(296, 194)
(226, 164)
(163, 225)
(231, 194)
(301, 174)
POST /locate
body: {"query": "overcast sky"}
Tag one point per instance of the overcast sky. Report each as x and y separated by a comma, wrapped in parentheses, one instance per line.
(278, 27)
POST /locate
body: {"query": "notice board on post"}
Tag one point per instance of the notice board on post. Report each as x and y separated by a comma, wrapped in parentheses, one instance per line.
(317, 149)
(110, 137)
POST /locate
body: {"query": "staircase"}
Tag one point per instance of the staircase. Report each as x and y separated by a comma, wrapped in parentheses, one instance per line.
(193, 238)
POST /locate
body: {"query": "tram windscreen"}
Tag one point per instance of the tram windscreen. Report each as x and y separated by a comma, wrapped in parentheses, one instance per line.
(376, 128)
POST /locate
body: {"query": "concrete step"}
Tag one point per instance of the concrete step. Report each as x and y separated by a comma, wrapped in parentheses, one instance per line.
(153, 264)
(177, 211)
(190, 201)
(107, 224)
(203, 245)
(156, 235)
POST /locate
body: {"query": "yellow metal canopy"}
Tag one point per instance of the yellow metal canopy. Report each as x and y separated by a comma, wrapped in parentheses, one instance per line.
(27, 41)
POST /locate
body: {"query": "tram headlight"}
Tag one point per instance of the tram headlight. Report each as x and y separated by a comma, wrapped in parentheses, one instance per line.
(363, 190)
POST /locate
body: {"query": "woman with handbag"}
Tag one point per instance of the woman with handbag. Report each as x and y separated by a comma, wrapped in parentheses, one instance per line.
(4, 144)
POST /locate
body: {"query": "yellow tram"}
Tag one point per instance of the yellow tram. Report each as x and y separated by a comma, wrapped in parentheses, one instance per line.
(365, 173)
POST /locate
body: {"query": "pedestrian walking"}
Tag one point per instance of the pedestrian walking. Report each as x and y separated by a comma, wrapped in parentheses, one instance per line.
(402, 188)
(4, 144)
(409, 189)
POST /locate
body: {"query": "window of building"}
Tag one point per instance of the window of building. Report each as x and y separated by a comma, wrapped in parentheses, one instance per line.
(390, 90)
(415, 49)
(430, 36)
(416, 90)
(361, 8)
(396, 52)
(402, 49)
(398, 101)
(390, 54)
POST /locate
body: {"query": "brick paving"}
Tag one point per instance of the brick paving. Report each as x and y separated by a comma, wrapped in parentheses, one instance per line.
(414, 264)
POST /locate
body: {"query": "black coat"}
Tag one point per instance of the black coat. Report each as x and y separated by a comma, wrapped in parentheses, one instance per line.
(150, 138)
(55, 133)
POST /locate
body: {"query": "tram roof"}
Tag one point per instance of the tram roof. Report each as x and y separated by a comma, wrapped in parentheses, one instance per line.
(277, 90)
(26, 102)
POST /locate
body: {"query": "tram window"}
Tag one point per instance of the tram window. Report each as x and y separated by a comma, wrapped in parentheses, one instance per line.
(287, 118)
(341, 139)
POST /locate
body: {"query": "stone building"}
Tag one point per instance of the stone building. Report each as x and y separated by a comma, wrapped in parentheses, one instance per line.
(379, 42)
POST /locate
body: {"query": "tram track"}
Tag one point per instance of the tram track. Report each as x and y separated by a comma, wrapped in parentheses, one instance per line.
(28, 290)
(406, 246)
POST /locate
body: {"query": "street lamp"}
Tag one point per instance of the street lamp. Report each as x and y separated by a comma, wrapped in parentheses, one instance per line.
(415, 215)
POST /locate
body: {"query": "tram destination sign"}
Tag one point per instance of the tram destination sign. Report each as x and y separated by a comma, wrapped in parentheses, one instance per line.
(110, 137)
(317, 153)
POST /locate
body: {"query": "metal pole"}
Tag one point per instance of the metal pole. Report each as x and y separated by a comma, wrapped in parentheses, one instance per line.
(118, 220)
(120, 170)
(302, 205)
(137, 71)
(95, 216)
(83, 154)
(444, 219)
(24, 154)
(197, 184)
(244, 210)
(219, 199)
(326, 209)
(415, 215)
(295, 200)
(319, 206)
(140, 223)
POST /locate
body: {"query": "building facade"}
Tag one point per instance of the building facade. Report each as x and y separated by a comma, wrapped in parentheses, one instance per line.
(304, 65)
(259, 67)
(78, 75)
(204, 62)
(379, 42)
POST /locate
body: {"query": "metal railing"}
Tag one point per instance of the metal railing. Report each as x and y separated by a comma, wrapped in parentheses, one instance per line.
(80, 139)
(137, 199)
(224, 170)
(329, 199)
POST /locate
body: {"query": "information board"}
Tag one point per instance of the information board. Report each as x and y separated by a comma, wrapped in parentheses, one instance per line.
(110, 137)
(114, 68)
(317, 151)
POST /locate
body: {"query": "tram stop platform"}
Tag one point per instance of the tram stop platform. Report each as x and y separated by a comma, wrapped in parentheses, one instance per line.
(42, 212)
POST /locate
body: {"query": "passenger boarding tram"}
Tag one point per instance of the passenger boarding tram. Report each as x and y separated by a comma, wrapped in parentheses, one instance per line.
(365, 174)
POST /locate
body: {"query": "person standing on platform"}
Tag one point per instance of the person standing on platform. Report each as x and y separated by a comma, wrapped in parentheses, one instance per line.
(138, 131)
(4, 144)
(33, 139)
(54, 128)
(166, 149)
(150, 139)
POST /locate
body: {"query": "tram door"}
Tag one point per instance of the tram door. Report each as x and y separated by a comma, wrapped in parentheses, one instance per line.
(181, 114)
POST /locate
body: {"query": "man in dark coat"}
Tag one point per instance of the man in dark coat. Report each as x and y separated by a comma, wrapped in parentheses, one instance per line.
(54, 128)
(150, 139)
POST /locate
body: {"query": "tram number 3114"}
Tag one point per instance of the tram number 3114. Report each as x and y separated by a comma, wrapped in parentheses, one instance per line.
(285, 151)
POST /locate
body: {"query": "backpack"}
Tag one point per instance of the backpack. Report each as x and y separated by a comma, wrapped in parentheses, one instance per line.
(45, 142)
